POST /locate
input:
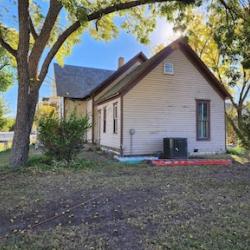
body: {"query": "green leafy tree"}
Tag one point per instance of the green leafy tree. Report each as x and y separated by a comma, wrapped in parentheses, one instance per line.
(43, 110)
(9, 125)
(245, 127)
(222, 40)
(3, 120)
(40, 34)
(6, 74)
(233, 39)
(6, 79)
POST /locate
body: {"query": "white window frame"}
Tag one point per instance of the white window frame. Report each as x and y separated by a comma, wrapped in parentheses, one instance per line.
(115, 118)
(171, 65)
(104, 128)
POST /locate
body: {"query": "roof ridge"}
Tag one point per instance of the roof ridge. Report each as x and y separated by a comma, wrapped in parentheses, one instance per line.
(84, 67)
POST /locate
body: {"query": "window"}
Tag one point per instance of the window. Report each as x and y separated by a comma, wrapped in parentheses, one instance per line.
(168, 68)
(115, 118)
(104, 119)
(203, 119)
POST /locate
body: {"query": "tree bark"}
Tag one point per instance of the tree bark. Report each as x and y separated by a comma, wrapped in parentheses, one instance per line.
(24, 121)
(20, 147)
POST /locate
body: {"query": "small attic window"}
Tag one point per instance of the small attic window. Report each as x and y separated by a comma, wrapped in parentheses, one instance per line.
(168, 68)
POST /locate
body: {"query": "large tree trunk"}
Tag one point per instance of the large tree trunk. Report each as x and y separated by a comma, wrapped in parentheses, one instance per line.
(24, 121)
(26, 106)
(20, 147)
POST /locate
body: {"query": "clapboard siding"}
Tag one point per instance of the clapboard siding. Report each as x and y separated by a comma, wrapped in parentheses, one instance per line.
(163, 105)
(109, 139)
(90, 116)
(104, 91)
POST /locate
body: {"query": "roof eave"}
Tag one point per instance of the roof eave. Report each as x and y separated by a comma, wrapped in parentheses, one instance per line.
(200, 65)
(102, 101)
(119, 72)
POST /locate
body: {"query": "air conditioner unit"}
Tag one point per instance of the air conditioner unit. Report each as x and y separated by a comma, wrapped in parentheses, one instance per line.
(175, 148)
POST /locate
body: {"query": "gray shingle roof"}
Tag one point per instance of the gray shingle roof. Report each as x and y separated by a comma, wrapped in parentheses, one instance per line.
(78, 82)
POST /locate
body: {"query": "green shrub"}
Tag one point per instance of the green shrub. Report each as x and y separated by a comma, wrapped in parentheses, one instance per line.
(62, 139)
(236, 151)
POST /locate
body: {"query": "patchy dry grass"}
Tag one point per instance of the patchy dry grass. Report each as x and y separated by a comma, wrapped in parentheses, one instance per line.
(99, 204)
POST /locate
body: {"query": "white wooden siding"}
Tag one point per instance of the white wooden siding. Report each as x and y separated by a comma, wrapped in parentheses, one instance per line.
(107, 88)
(163, 105)
(109, 139)
(89, 114)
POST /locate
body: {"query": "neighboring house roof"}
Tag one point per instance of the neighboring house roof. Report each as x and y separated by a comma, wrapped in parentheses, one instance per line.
(81, 82)
(125, 84)
(78, 82)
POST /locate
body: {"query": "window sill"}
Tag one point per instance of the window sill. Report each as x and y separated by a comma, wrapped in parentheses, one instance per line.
(203, 139)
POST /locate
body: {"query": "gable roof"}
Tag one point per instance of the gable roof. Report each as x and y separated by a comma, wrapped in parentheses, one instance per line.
(81, 82)
(139, 57)
(78, 82)
(125, 84)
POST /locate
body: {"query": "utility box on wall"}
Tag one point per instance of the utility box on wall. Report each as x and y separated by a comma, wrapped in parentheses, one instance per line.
(175, 148)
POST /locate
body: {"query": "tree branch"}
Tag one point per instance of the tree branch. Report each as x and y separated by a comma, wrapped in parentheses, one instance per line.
(236, 129)
(57, 45)
(233, 102)
(42, 39)
(4, 65)
(246, 93)
(32, 28)
(242, 91)
(93, 16)
(232, 11)
(5, 45)
(204, 46)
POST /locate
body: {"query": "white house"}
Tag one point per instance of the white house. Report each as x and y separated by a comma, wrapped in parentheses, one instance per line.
(172, 94)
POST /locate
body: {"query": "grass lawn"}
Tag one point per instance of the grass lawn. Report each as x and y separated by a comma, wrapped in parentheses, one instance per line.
(100, 204)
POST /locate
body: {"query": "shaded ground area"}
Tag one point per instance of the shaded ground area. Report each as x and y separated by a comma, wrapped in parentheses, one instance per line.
(100, 204)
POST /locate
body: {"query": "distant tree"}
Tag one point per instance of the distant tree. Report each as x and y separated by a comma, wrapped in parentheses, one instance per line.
(9, 124)
(43, 110)
(6, 79)
(6, 72)
(42, 34)
(245, 130)
(3, 120)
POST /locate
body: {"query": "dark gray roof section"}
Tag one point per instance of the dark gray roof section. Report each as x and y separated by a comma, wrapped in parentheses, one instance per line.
(78, 82)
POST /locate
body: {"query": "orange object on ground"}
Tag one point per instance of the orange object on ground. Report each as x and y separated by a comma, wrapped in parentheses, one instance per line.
(196, 162)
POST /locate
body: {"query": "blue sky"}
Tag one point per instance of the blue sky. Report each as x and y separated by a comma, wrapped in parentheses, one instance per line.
(99, 54)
